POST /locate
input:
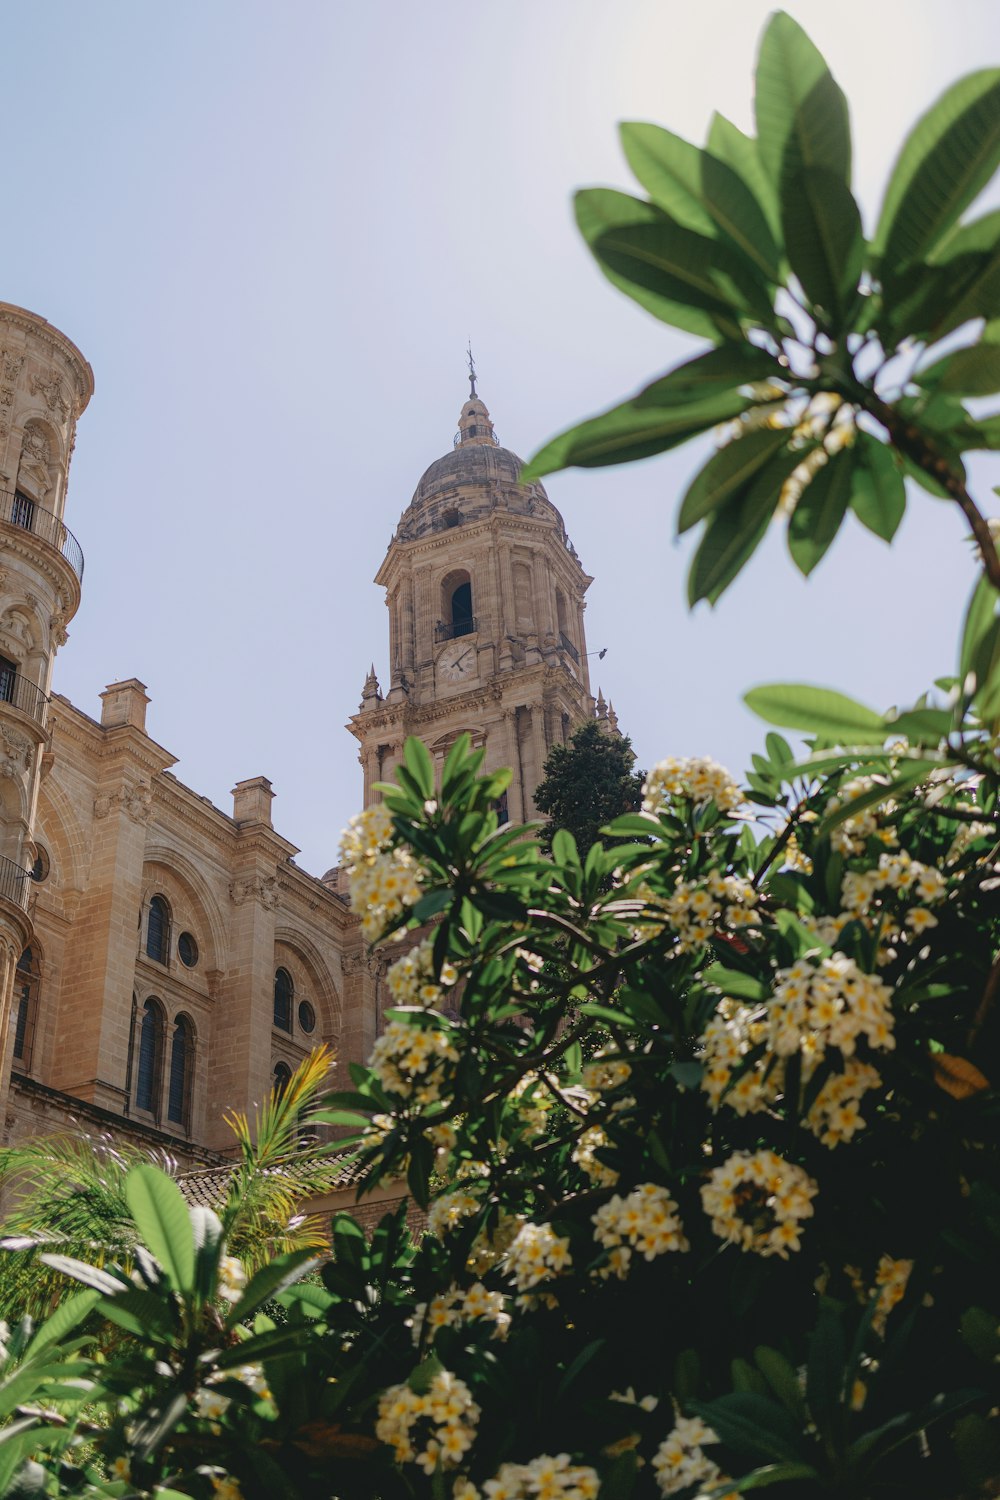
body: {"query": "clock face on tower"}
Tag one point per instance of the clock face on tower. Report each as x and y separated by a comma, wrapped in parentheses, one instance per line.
(458, 662)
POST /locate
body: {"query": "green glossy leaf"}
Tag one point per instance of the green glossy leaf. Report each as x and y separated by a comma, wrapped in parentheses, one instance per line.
(628, 432)
(908, 774)
(80, 1270)
(728, 471)
(728, 143)
(967, 372)
(599, 210)
(161, 1216)
(419, 765)
(700, 192)
(736, 528)
(816, 711)
(270, 1281)
(976, 237)
(69, 1314)
(975, 292)
(783, 1381)
(752, 1424)
(564, 850)
(677, 264)
(820, 510)
(823, 240)
(878, 490)
(140, 1313)
(719, 369)
(946, 160)
(763, 1478)
(669, 168)
(979, 633)
(801, 113)
(732, 534)
(737, 213)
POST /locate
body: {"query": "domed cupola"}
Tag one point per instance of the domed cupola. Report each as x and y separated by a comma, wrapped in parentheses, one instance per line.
(478, 476)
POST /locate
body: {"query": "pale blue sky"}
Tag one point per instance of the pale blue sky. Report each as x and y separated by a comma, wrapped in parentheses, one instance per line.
(272, 228)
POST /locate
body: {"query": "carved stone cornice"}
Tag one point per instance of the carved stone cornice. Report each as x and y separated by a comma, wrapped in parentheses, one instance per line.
(48, 560)
(45, 333)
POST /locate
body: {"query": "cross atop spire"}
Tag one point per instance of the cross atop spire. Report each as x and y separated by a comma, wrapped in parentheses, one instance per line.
(472, 374)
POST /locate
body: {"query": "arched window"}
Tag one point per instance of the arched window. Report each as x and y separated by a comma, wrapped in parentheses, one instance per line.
(280, 1078)
(147, 1087)
(158, 930)
(284, 994)
(461, 610)
(26, 1001)
(181, 1068)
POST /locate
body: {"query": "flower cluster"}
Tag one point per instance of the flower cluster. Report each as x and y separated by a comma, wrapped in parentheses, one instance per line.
(430, 1428)
(407, 1060)
(851, 835)
(758, 1201)
(450, 1209)
(384, 880)
(602, 1073)
(697, 778)
(891, 1280)
(412, 981)
(697, 908)
(212, 1404)
(536, 1254)
(591, 1141)
(818, 1003)
(544, 1478)
(900, 873)
(232, 1278)
(828, 1002)
(645, 1220)
(680, 1459)
(451, 1308)
(835, 1113)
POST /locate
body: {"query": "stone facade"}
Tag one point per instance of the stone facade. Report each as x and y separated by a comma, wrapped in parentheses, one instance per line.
(163, 962)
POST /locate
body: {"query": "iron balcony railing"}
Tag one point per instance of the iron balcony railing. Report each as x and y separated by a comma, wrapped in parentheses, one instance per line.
(567, 645)
(450, 630)
(22, 694)
(460, 438)
(14, 885)
(26, 514)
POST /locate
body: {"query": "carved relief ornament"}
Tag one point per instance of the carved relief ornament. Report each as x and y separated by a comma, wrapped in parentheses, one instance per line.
(52, 391)
(135, 800)
(260, 888)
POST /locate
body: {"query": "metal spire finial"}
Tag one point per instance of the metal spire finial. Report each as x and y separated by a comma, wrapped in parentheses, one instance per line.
(472, 374)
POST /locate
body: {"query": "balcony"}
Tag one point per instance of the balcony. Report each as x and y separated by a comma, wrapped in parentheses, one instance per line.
(15, 883)
(22, 695)
(450, 630)
(25, 514)
(567, 645)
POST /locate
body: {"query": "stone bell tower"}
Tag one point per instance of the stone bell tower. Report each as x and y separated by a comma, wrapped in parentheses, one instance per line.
(486, 597)
(45, 383)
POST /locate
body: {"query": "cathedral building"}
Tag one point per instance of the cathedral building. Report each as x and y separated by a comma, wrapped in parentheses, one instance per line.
(163, 961)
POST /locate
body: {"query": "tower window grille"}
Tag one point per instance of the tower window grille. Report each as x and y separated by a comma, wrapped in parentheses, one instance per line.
(181, 1050)
(150, 1057)
(22, 512)
(26, 1000)
(158, 930)
(284, 994)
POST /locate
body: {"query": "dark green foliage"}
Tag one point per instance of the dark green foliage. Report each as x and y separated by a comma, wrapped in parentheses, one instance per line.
(587, 783)
(758, 246)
